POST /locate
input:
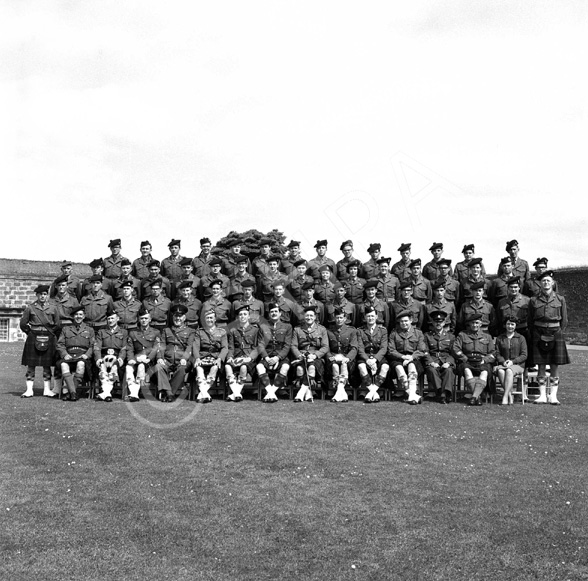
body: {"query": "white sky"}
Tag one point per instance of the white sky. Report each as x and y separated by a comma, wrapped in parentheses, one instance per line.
(452, 121)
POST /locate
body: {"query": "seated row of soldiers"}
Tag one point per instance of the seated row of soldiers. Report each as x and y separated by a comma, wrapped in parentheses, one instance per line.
(274, 351)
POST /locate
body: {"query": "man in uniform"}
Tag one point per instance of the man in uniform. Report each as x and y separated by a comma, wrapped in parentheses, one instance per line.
(288, 309)
(462, 268)
(288, 265)
(476, 304)
(233, 258)
(451, 285)
(41, 323)
(372, 345)
(406, 349)
(201, 263)
(352, 283)
(431, 270)
(75, 346)
(73, 282)
(157, 306)
(497, 288)
(273, 343)
(170, 266)
(401, 269)
(256, 307)
(520, 267)
(532, 287)
(321, 259)
(239, 276)
(341, 302)
(242, 355)
(475, 351)
(516, 305)
(127, 308)
(421, 287)
(155, 274)
(64, 300)
(382, 310)
(110, 351)
(324, 288)
(193, 305)
(266, 280)
(175, 351)
(310, 344)
(388, 284)
(297, 279)
(140, 266)
(187, 276)
(112, 263)
(96, 304)
(440, 303)
(260, 266)
(343, 347)
(475, 276)
(341, 268)
(209, 350)
(371, 268)
(142, 353)
(85, 288)
(218, 304)
(406, 302)
(115, 289)
(439, 361)
(215, 274)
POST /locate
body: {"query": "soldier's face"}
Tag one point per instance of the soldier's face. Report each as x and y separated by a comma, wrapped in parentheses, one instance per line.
(514, 251)
(546, 283)
(66, 269)
(243, 316)
(179, 319)
(309, 317)
(186, 293)
(406, 292)
(439, 292)
(352, 271)
(274, 314)
(295, 251)
(405, 255)
(475, 325)
(371, 318)
(339, 320)
(247, 292)
(475, 270)
(144, 320)
(510, 326)
(62, 288)
(216, 269)
(97, 270)
(273, 265)
(242, 267)
(540, 268)
(187, 269)
(371, 292)
(216, 290)
(96, 285)
(437, 253)
(210, 319)
(513, 290)
(112, 320)
(444, 270)
(340, 292)
(468, 254)
(416, 270)
(79, 317)
(206, 248)
(127, 292)
(347, 251)
(126, 269)
(321, 250)
(308, 293)
(145, 250)
(236, 249)
(174, 250)
(115, 250)
(478, 294)
(42, 297)
(156, 290)
(375, 254)
(278, 290)
(439, 325)
(301, 270)
(154, 271)
(326, 274)
(265, 249)
(507, 268)
(404, 323)
(383, 268)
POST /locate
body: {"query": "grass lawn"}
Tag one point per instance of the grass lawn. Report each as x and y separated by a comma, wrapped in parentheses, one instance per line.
(311, 491)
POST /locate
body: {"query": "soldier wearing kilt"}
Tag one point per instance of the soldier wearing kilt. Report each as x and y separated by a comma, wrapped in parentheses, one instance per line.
(343, 348)
(41, 323)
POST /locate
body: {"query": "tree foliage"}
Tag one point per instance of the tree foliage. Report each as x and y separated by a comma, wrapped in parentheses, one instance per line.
(250, 242)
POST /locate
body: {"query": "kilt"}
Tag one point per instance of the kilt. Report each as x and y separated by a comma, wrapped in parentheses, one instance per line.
(350, 367)
(475, 368)
(417, 363)
(35, 358)
(557, 356)
(276, 369)
(318, 363)
(250, 367)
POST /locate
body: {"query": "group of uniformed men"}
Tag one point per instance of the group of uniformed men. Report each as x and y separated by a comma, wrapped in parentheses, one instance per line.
(281, 319)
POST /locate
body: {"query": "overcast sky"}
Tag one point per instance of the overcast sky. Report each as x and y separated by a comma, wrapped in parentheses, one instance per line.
(452, 121)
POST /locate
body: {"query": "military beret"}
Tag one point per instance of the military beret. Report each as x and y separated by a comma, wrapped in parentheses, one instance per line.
(436, 245)
(346, 243)
(513, 318)
(185, 284)
(215, 282)
(300, 262)
(278, 282)
(511, 243)
(473, 317)
(405, 313)
(216, 261)
(540, 261)
(42, 288)
(125, 262)
(77, 308)
(242, 308)
(179, 308)
(234, 242)
(60, 279)
(248, 283)
(307, 285)
(339, 311)
(240, 258)
(274, 258)
(438, 315)
(271, 306)
(353, 263)
(96, 263)
(439, 283)
(337, 286)
(115, 242)
(370, 284)
(444, 261)
(154, 263)
(374, 246)
(66, 263)
(505, 260)
(404, 246)
(514, 280)
(325, 267)
(236, 296)
(309, 308)
(383, 260)
(266, 242)
(142, 311)
(95, 278)
(207, 293)
(369, 309)
(321, 243)
(174, 242)
(544, 274)
(477, 285)
(156, 282)
(145, 243)
(186, 262)
(127, 283)
(205, 241)
(415, 262)
(110, 311)
(293, 244)
(468, 247)
(405, 284)
(474, 261)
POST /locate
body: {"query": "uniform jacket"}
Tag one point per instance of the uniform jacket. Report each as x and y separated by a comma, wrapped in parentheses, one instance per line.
(201, 265)
(41, 318)
(158, 309)
(127, 312)
(518, 307)
(194, 307)
(372, 343)
(171, 268)
(421, 289)
(350, 312)
(76, 340)
(483, 308)
(411, 342)
(343, 340)
(112, 266)
(111, 339)
(447, 307)
(354, 289)
(548, 309)
(176, 343)
(64, 305)
(220, 306)
(387, 288)
(415, 307)
(256, 309)
(462, 271)
(382, 312)
(95, 307)
(210, 343)
(275, 340)
(139, 267)
(439, 347)
(432, 272)
(401, 270)
(242, 342)
(313, 339)
(468, 344)
(144, 342)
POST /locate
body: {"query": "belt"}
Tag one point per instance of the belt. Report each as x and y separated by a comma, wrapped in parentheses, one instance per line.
(547, 325)
(127, 325)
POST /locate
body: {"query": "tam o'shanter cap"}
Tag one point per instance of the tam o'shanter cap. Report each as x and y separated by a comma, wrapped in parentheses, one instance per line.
(370, 284)
(266, 242)
(436, 245)
(540, 261)
(60, 279)
(405, 284)
(369, 309)
(446, 261)
(144, 243)
(300, 262)
(439, 283)
(477, 285)
(474, 261)
(153, 263)
(115, 242)
(374, 246)
(95, 278)
(415, 262)
(504, 260)
(511, 243)
(127, 283)
(353, 263)
(216, 261)
(179, 308)
(110, 311)
(404, 246)
(321, 243)
(405, 313)
(205, 241)
(473, 317)
(96, 263)
(66, 263)
(76, 309)
(346, 243)
(307, 285)
(174, 242)
(42, 288)
(242, 308)
(293, 243)
(544, 274)
(248, 283)
(438, 315)
(186, 262)
(468, 247)
(383, 260)
(125, 262)
(514, 280)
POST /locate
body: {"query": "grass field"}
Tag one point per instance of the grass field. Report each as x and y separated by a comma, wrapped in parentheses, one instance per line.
(310, 491)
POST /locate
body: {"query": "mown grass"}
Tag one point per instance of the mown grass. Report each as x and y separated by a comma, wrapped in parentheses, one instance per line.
(309, 491)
